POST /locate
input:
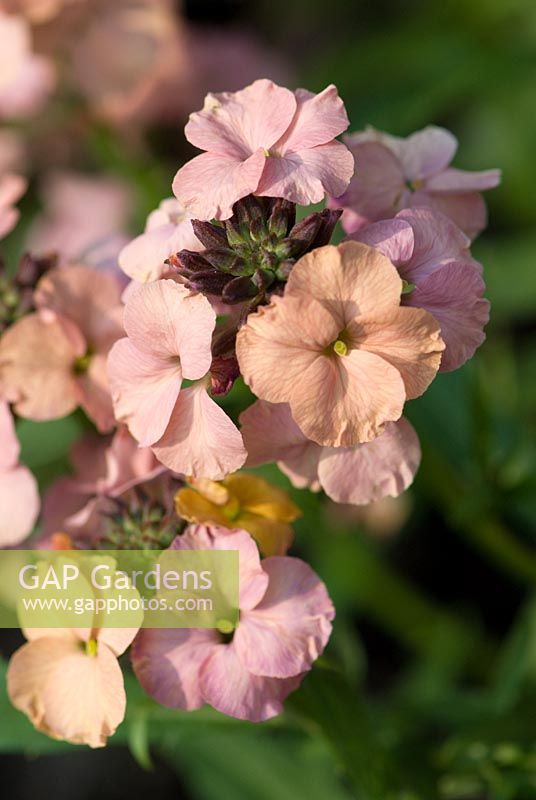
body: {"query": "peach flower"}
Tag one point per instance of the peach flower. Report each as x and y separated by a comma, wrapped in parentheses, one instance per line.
(19, 498)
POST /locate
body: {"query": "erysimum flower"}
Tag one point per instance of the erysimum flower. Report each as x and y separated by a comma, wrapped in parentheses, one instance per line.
(12, 187)
(54, 360)
(394, 173)
(25, 78)
(268, 141)
(432, 255)
(361, 474)
(169, 334)
(168, 230)
(285, 623)
(69, 683)
(242, 501)
(19, 498)
(104, 468)
(338, 347)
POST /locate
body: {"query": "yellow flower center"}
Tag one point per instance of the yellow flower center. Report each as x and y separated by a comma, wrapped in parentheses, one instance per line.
(92, 648)
(225, 626)
(340, 347)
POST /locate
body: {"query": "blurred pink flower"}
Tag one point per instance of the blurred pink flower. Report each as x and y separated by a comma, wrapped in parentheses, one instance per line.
(38, 11)
(285, 624)
(394, 173)
(351, 354)
(69, 683)
(54, 360)
(264, 140)
(26, 79)
(169, 332)
(85, 218)
(104, 468)
(12, 187)
(168, 230)
(357, 475)
(19, 498)
(432, 254)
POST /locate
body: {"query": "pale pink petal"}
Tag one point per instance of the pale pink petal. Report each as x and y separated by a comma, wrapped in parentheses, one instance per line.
(427, 152)
(200, 439)
(291, 330)
(94, 394)
(253, 580)
(459, 180)
(10, 447)
(165, 320)
(210, 184)
(228, 686)
(368, 472)
(19, 501)
(377, 189)
(454, 296)
(145, 388)
(467, 210)
(392, 237)
(437, 240)
(410, 342)
(344, 400)
(167, 663)
(290, 627)
(347, 280)
(117, 639)
(65, 693)
(271, 434)
(12, 187)
(236, 124)
(319, 118)
(37, 359)
(306, 176)
(29, 91)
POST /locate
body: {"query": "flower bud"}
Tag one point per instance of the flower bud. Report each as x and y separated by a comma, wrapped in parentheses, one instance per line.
(238, 289)
(210, 235)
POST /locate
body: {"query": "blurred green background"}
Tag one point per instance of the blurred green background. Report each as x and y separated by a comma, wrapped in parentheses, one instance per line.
(428, 688)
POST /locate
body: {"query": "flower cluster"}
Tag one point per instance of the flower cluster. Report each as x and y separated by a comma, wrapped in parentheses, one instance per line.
(231, 282)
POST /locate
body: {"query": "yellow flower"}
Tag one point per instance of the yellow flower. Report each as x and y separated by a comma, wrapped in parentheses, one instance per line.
(242, 501)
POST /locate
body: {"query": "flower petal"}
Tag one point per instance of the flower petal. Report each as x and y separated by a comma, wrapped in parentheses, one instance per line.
(19, 501)
(437, 240)
(319, 118)
(10, 450)
(426, 152)
(467, 210)
(460, 180)
(392, 237)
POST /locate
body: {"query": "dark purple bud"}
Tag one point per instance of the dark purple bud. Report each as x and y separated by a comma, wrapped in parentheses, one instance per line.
(209, 235)
(224, 339)
(223, 374)
(236, 237)
(248, 209)
(304, 232)
(209, 282)
(329, 219)
(284, 270)
(187, 262)
(263, 279)
(225, 260)
(31, 268)
(237, 290)
(282, 218)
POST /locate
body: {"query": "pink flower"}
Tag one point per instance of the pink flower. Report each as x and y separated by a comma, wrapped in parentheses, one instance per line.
(432, 254)
(394, 173)
(169, 333)
(69, 683)
(54, 360)
(168, 230)
(359, 475)
(338, 347)
(285, 624)
(26, 79)
(12, 187)
(19, 498)
(264, 140)
(104, 468)
(85, 218)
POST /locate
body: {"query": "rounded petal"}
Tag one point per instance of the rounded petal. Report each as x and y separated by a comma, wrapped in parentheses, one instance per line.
(9, 452)
(410, 342)
(292, 331)
(291, 626)
(342, 401)
(94, 394)
(427, 152)
(368, 472)
(37, 358)
(19, 501)
(392, 237)
(65, 693)
(167, 663)
(437, 239)
(273, 537)
(459, 180)
(271, 434)
(200, 439)
(230, 688)
(306, 176)
(467, 210)
(454, 296)
(165, 320)
(257, 496)
(210, 184)
(145, 389)
(143, 258)
(319, 118)
(348, 280)
(238, 123)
